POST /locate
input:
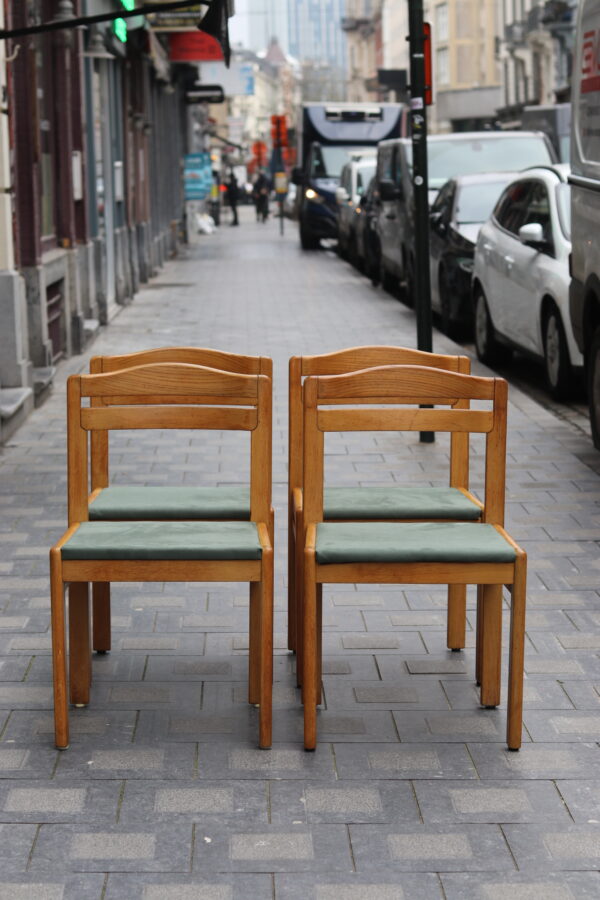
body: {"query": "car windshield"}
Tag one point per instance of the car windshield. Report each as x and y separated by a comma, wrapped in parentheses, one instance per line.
(364, 175)
(328, 161)
(474, 156)
(476, 201)
(563, 204)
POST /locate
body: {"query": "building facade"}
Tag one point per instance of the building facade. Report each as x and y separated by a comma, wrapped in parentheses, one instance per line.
(95, 134)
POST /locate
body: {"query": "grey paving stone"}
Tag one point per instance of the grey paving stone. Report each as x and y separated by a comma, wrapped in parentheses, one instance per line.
(415, 694)
(537, 761)
(537, 694)
(195, 801)
(536, 847)
(314, 803)
(71, 887)
(366, 761)
(490, 801)
(37, 728)
(175, 887)
(496, 886)
(272, 849)
(170, 761)
(136, 848)
(582, 799)
(35, 801)
(345, 725)
(425, 848)
(385, 885)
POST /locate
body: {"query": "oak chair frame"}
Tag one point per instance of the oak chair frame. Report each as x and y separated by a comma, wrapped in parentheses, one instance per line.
(342, 362)
(414, 385)
(162, 396)
(99, 443)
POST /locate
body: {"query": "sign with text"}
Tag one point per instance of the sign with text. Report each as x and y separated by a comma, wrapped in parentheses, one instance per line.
(236, 81)
(177, 20)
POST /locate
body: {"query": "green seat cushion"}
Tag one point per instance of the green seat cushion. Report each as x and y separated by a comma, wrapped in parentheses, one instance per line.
(398, 503)
(391, 542)
(136, 503)
(164, 540)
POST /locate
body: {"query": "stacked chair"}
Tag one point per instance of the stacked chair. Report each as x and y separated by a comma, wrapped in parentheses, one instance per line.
(161, 546)
(400, 534)
(391, 503)
(376, 552)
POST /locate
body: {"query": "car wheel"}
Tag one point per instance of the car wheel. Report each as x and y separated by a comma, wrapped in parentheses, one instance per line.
(307, 240)
(489, 351)
(593, 371)
(388, 282)
(373, 264)
(558, 370)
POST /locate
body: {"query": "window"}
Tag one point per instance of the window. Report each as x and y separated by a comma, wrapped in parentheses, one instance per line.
(512, 207)
(442, 59)
(538, 209)
(441, 23)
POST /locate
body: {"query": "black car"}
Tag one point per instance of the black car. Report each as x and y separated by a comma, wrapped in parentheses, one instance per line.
(462, 206)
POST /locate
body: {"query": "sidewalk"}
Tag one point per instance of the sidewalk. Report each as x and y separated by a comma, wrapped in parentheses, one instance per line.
(411, 793)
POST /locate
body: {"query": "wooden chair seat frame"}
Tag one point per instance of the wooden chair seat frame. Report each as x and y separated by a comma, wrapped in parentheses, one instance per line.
(99, 444)
(162, 396)
(412, 385)
(340, 363)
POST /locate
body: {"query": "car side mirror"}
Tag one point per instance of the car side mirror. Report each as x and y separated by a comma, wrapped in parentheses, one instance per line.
(388, 190)
(533, 235)
(341, 195)
(297, 174)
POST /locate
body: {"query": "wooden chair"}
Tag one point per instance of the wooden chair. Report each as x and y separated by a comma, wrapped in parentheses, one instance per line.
(119, 502)
(162, 396)
(478, 553)
(392, 503)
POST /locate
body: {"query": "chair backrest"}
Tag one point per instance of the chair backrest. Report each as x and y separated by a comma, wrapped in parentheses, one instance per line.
(355, 359)
(165, 396)
(195, 356)
(404, 386)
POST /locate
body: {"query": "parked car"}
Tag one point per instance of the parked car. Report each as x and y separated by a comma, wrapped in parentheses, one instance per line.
(354, 180)
(585, 210)
(449, 155)
(459, 211)
(289, 202)
(521, 277)
(367, 241)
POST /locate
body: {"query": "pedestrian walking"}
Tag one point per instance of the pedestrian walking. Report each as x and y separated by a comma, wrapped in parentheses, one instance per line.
(260, 193)
(232, 197)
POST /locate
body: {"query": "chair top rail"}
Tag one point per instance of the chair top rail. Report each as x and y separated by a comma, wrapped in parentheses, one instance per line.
(401, 382)
(169, 380)
(196, 356)
(353, 359)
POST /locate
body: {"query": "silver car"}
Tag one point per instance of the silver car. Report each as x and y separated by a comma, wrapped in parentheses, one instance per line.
(521, 277)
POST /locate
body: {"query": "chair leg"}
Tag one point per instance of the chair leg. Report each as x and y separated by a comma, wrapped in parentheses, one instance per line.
(59, 652)
(265, 731)
(514, 727)
(291, 583)
(457, 614)
(254, 631)
(309, 681)
(479, 634)
(101, 616)
(491, 629)
(319, 644)
(80, 648)
(299, 595)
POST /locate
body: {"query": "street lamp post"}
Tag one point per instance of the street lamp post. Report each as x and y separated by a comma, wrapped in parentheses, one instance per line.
(418, 119)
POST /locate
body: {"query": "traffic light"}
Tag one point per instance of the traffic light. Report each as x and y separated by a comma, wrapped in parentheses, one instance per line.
(279, 136)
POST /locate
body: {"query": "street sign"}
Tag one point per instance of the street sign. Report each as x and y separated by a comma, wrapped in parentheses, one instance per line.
(205, 93)
(281, 183)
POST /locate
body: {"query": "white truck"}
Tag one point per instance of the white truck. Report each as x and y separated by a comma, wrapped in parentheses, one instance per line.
(584, 293)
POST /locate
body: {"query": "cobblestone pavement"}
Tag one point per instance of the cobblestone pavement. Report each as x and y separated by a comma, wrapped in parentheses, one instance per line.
(411, 793)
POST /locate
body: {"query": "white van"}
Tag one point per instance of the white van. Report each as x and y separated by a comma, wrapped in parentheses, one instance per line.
(584, 293)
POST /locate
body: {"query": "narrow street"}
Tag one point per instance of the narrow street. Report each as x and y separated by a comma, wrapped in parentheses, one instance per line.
(411, 793)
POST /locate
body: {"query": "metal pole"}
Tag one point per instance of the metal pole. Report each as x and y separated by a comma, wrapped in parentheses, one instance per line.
(418, 119)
